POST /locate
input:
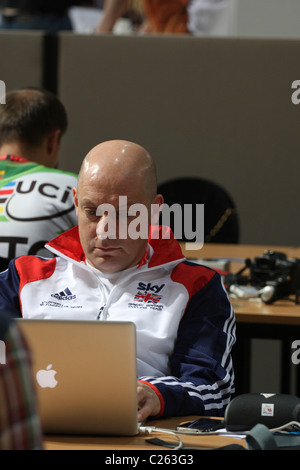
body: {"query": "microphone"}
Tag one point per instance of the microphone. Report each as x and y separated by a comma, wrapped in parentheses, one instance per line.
(267, 294)
(272, 410)
(296, 413)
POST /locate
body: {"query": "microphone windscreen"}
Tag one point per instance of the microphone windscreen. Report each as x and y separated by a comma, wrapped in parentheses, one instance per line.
(272, 410)
(296, 413)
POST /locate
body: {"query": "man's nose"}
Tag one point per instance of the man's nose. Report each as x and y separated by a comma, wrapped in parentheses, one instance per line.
(106, 227)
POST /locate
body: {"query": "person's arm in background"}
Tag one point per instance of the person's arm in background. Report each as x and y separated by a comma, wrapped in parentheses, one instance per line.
(112, 11)
(20, 426)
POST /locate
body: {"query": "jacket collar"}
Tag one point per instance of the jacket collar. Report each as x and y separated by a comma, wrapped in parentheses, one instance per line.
(14, 158)
(164, 246)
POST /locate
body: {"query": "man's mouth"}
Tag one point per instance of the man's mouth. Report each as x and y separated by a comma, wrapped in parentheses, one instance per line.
(107, 249)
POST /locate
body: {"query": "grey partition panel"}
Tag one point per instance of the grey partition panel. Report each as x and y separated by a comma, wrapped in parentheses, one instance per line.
(268, 18)
(213, 107)
(21, 58)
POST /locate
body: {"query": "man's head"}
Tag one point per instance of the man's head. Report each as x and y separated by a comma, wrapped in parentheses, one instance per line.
(113, 177)
(31, 125)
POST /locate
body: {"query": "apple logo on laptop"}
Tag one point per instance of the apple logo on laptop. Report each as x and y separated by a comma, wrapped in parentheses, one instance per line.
(46, 377)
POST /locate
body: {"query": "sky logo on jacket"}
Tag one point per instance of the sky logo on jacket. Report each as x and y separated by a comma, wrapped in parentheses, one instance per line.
(148, 287)
(147, 295)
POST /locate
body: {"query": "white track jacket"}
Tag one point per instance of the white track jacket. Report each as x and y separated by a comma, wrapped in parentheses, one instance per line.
(184, 320)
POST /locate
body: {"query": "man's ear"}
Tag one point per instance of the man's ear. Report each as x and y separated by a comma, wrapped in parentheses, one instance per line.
(75, 198)
(53, 141)
(156, 208)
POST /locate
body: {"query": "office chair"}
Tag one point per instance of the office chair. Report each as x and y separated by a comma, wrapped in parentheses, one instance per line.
(221, 223)
(3, 264)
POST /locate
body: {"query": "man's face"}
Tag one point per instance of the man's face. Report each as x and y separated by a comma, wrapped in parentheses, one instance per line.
(105, 247)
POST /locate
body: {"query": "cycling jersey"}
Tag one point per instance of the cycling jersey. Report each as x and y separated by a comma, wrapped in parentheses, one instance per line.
(36, 204)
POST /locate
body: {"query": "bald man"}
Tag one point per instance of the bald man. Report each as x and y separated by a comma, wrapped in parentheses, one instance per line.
(118, 266)
(112, 170)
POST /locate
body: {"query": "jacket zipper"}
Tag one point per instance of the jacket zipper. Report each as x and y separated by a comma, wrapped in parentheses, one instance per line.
(101, 312)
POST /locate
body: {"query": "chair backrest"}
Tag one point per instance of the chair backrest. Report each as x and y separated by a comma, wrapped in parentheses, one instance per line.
(221, 223)
(3, 264)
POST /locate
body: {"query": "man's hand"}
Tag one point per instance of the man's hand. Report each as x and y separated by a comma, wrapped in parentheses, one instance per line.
(148, 401)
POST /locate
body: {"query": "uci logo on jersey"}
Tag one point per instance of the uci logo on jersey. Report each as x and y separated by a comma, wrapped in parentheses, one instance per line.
(17, 198)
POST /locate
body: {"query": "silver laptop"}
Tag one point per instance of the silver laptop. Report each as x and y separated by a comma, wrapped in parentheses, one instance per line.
(85, 374)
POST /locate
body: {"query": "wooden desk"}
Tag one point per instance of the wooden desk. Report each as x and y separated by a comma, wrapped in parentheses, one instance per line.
(138, 442)
(213, 250)
(280, 313)
(251, 311)
(255, 319)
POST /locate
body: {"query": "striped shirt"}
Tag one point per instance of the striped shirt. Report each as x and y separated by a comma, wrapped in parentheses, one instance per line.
(20, 427)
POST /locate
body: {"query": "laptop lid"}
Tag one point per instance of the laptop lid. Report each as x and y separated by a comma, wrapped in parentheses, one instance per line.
(85, 373)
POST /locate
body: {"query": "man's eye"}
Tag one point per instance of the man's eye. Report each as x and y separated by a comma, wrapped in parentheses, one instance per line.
(90, 211)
